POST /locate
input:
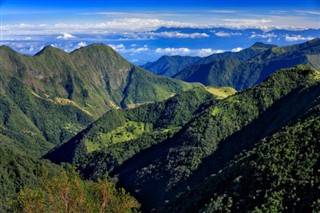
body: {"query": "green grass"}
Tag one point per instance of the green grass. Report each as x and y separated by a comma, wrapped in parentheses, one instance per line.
(129, 131)
(221, 92)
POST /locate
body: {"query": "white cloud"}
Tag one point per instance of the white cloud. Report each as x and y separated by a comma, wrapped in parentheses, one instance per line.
(25, 47)
(226, 34)
(117, 47)
(222, 34)
(309, 12)
(138, 24)
(246, 23)
(145, 14)
(265, 35)
(81, 44)
(297, 38)
(186, 51)
(122, 49)
(139, 50)
(134, 60)
(173, 51)
(222, 11)
(206, 52)
(269, 40)
(237, 49)
(143, 24)
(193, 52)
(178, 35)
(66, 36)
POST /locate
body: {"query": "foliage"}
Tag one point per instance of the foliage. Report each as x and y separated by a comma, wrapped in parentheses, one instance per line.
(66, 192)
(17, 171)
(172, 65)
(250, 66)
(255, 151)
(95, 78)
(139, 128)
(57, 94)
(57, 122)
(209, 141)
(280, 174)
(18, 132)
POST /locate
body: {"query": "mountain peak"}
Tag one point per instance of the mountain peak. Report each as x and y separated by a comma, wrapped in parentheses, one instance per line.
(262, 45)
(95, 48)
(4, 48)
(314, 41)
(50, 50)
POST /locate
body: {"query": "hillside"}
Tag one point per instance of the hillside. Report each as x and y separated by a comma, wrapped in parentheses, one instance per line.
(172, 65)
(281, 173)
(19, 170)
(244, 72)
(161, 163)
(209, 141)
(48, 98)
(124, 133)
(58, 94)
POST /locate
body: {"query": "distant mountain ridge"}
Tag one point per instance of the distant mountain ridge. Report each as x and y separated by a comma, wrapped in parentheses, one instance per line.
(245, 68)
(172, 65)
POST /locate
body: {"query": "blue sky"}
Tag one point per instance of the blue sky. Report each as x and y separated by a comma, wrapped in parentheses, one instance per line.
(129, 26)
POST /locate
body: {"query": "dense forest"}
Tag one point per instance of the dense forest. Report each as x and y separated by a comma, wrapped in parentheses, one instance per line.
(87, 131)
(159, 165)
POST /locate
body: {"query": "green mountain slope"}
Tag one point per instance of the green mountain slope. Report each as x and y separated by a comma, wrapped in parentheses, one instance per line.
(58, 94)
(17, 171)
(171, 65)
(242, 55)
(209, 141)
(156, 160)
(123, 133)
(280, 174)
(241, 73)
(32, 185)
(18, 132)
(95, 77)
(48, 98)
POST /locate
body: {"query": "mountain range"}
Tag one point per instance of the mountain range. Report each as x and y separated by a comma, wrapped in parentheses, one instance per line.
(239, 70)
(147, 45)
(244, 139)
(48, 98)
(57, 93)
(157, 168)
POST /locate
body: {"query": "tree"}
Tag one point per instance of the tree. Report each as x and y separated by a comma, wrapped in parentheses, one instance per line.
(68, 193)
